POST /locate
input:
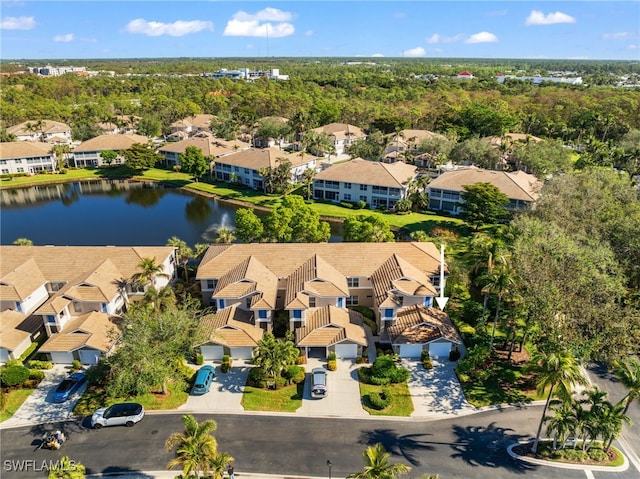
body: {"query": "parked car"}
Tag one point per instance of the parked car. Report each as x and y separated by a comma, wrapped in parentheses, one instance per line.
(318, 382)
(68, 387)
(204, 378)
(126, 413)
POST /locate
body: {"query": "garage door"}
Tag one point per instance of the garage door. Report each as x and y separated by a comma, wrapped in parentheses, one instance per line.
(439, 350)
(318, 353)
(346, 351)
(212, 352)
(410, 350)
(61, 358)
(89, 356)
(242, 353)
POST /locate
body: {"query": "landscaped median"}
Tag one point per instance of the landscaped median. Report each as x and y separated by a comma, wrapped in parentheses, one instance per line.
(595, 459)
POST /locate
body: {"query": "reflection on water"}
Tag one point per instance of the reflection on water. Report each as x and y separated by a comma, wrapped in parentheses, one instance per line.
(108, 212)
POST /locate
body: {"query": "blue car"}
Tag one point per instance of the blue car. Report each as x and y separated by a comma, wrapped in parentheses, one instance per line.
(68, 387)
(204, 377)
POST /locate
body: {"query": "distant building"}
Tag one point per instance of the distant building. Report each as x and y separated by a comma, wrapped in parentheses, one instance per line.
(537, 80)
(55, 71)
(465, 75)
(247, 74)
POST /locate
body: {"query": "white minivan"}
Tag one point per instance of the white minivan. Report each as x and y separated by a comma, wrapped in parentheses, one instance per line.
(318, 383)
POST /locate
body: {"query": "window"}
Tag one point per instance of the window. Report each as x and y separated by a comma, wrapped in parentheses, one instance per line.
(18, 161)
(247, 171)
(3, 162)
(20, 170)
(18, 307)
(5, 171)
(211, 284)
(236, 169)
(363, 198)
(353, 282)
(352, 301)
(347, 186)
(312, 302)
(297, 314)
(340, 303)
(387, 313)
(364, 187)
(435, 192)
(262, 314)
(347, 197)
(221, 304)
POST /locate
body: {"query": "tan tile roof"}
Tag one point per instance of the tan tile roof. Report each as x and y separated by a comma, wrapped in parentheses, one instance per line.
(260, 279)
(317, 276)
(54, 305)
(111, 142)
(396, 273)
(231, 327)
(94, 330)
(514, 137)
(49, 126)
(16, 328)
(394, 175)
(341, 131)
(21, 282)
(330, 325)
(419, 325)
(201, 120)
(263, 158)
(415, 136)
(518, 185)
(349, 259)
(24, 149)
(209, 146)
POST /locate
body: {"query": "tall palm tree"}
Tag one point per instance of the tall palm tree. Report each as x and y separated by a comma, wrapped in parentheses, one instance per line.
(272, 355)
(562, 423)
(377, 465)
(220, 464)
(149, 271)
(196, 448)
(612, 419)
(500, 281)
(159, 300)
(183, 252)
(559, 372)
(628, 373)
(225, 235)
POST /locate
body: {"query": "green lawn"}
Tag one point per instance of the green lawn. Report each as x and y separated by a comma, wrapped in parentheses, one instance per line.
(95, 398)
(286, 399)
(401, 405)
(13, 400)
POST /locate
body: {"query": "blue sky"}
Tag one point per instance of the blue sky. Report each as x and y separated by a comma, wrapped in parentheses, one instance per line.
(607, 30)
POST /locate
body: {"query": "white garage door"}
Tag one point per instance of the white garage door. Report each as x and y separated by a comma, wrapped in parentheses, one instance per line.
(61, 358)
(346, 351)
(212, 352)
(410, 350)
(4, 355)
(439, 350)
(241, 353)
(89, 356)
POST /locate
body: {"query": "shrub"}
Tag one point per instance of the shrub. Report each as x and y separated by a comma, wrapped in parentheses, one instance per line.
(598, 454)
(346, 204)
(199, 359)
(76, 365)
(332, 364)
(382, 366)
(13, 362)
(36, 375)
(257, 378)
(294, 374)
(225, 367)
(332, 357)
(399, 375)
(379, 400)
(34, 364)
(13, 375)
(301, 359)
(29, 351)
(98, 373)
(361, 204)
(372, 324)
(379, 381)
(184, 370)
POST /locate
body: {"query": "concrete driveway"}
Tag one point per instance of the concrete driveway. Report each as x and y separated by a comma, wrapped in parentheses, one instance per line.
(436, 392)
(343, 396)
(226, 391)
(39, 408)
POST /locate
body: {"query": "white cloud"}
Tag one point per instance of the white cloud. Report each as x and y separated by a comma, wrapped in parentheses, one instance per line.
(66, 38)
(414, 52)
(437, 38)
(377, 55)
(176, 29)
(482, 37)
(633, 47)
(259, 24)
(538, 18)
(17, 23)
(308, 33)
(618, 36)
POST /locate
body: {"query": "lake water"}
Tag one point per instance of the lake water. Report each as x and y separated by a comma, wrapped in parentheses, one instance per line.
(111, 212)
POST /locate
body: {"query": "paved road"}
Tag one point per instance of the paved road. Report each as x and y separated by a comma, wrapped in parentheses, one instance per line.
(466, 447)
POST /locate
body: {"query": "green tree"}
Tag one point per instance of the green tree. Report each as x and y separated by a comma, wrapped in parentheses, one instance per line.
(61, 151)
(476, 151)
(543, 158)
(562, 423)
(6, 137)
(378, 466)
(484, 204)
(295, 221)
(141, 157)
(183, 252)
(249, 228)
(65, 468)
(307, 180)
(13, 375)
(149, 270)
(628, 373)
(196, 448)
(225, 235)
(23, 242)
(558, 372)
(150, 125)
(108, 156)
(274, 355)
(220, 464)
(272, 129)
(500, 282)
(194, 162)
(159, 300)
(367, 229)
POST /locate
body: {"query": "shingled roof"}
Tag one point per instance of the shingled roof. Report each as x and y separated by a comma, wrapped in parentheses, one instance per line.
(392, 175)
(255, 159)
(21, 282)
(16, 328)
(418, 324)
(316, 276)
(329, 325)
(94, 330)
(231, 327)
(111, 142)
(249, 276)
(24, 149)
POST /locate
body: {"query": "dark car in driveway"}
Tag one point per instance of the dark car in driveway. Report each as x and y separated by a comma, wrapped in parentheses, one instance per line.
(68, 387)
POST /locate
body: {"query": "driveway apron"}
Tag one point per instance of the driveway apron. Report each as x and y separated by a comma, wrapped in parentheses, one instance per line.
(226, 391)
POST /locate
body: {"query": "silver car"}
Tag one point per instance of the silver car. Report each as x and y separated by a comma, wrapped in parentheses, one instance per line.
(121, 414)
(318, 382)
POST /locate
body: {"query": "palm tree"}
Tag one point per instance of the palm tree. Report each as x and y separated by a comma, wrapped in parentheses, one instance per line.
(562, 423)
(272, 355)
(500, 281)
(23, 242)
(183, 252)
(196, 448)
(558, 371)
(612, 419)
(225, 235)
(66, 469)
(220, 464)
(149, 271)
(377, 465)
(159, 300)
(307, 179)
(60, 151)
(628, 373)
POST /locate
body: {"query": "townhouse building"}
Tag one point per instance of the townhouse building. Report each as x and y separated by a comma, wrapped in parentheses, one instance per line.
(211, 147)
(26, 157)
(88, 152)
(47, 131)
